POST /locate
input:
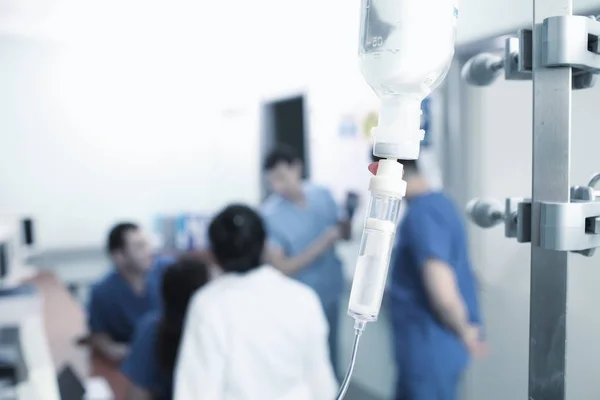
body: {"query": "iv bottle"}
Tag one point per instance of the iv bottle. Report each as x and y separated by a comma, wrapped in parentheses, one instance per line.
(387, 190)
(406, 49)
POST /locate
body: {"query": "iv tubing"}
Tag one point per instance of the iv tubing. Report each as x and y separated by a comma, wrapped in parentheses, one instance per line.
(359, 327)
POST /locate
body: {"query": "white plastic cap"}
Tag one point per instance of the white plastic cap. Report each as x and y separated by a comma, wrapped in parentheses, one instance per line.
(388, 180)
(399, 133)
(404, 149)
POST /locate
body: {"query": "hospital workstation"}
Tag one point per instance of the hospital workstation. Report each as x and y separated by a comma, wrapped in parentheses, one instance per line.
(244, 200)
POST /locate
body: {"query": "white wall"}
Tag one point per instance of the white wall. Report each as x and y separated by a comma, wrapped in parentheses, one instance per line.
(498, 139)
(87, 142)
(498, 143)
(479, 19)
(132, 120)
(157, 78)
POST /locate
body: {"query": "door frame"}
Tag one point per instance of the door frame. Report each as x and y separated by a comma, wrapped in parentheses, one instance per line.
(267, 131)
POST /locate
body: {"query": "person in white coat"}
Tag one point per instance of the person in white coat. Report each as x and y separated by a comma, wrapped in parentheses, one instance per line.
(252, 333)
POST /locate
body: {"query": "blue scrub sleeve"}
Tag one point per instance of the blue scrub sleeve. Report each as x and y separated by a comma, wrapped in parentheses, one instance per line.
(276, 242)
(140, 366)
(276, 237)
(429, 238)
(332, 210)
(475, 308)
(96, 313)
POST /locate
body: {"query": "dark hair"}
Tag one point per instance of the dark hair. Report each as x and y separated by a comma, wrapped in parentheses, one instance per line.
(116, 237)
(281, 154)
(237, 238)
(179, 283)
(409, 165)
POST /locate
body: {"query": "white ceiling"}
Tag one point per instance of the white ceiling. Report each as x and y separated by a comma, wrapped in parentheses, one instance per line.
(16, 12)
(478, 18)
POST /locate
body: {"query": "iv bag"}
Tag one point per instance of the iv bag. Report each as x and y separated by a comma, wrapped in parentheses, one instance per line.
(405, 49)
(406, 46)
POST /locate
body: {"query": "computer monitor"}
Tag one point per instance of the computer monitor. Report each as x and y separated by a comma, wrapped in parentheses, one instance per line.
(19, 230)
(4, 261)
(27, 232)
(10, 251)
(7, 254)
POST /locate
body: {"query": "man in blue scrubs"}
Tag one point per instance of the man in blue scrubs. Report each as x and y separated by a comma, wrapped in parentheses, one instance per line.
(124, 295)
(303, 226)
(433, 295)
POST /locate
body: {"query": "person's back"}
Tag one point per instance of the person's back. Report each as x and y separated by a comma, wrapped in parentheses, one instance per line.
(273, 334)
(412, 310)
(434, 309)
(407, 287)
(252, 333)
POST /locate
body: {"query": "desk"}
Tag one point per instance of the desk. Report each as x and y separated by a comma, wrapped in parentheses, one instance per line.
(65, 323)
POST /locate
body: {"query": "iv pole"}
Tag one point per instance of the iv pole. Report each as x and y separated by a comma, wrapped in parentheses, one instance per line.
(550, 183)
(559, 54)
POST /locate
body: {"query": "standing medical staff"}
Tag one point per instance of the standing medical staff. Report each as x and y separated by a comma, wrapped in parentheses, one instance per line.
(126, 293)
(303, 225)
(433, 295)
(252, 333)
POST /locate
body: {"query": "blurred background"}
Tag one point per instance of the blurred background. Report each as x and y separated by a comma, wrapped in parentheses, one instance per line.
(162, 113)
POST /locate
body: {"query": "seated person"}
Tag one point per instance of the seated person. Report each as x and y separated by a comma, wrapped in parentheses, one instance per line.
(151, 360)
(252, 333)
(124, 295)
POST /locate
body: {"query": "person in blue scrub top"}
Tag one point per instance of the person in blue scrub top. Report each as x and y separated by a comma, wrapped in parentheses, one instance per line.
(151, 360)
(433, 295)
(303, 224)
(125, 294)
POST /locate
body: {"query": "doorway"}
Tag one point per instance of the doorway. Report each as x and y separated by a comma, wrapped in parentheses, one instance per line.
(283, 123)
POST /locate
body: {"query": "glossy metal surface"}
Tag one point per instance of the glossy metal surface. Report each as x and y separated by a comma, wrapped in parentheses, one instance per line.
(551, 166)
